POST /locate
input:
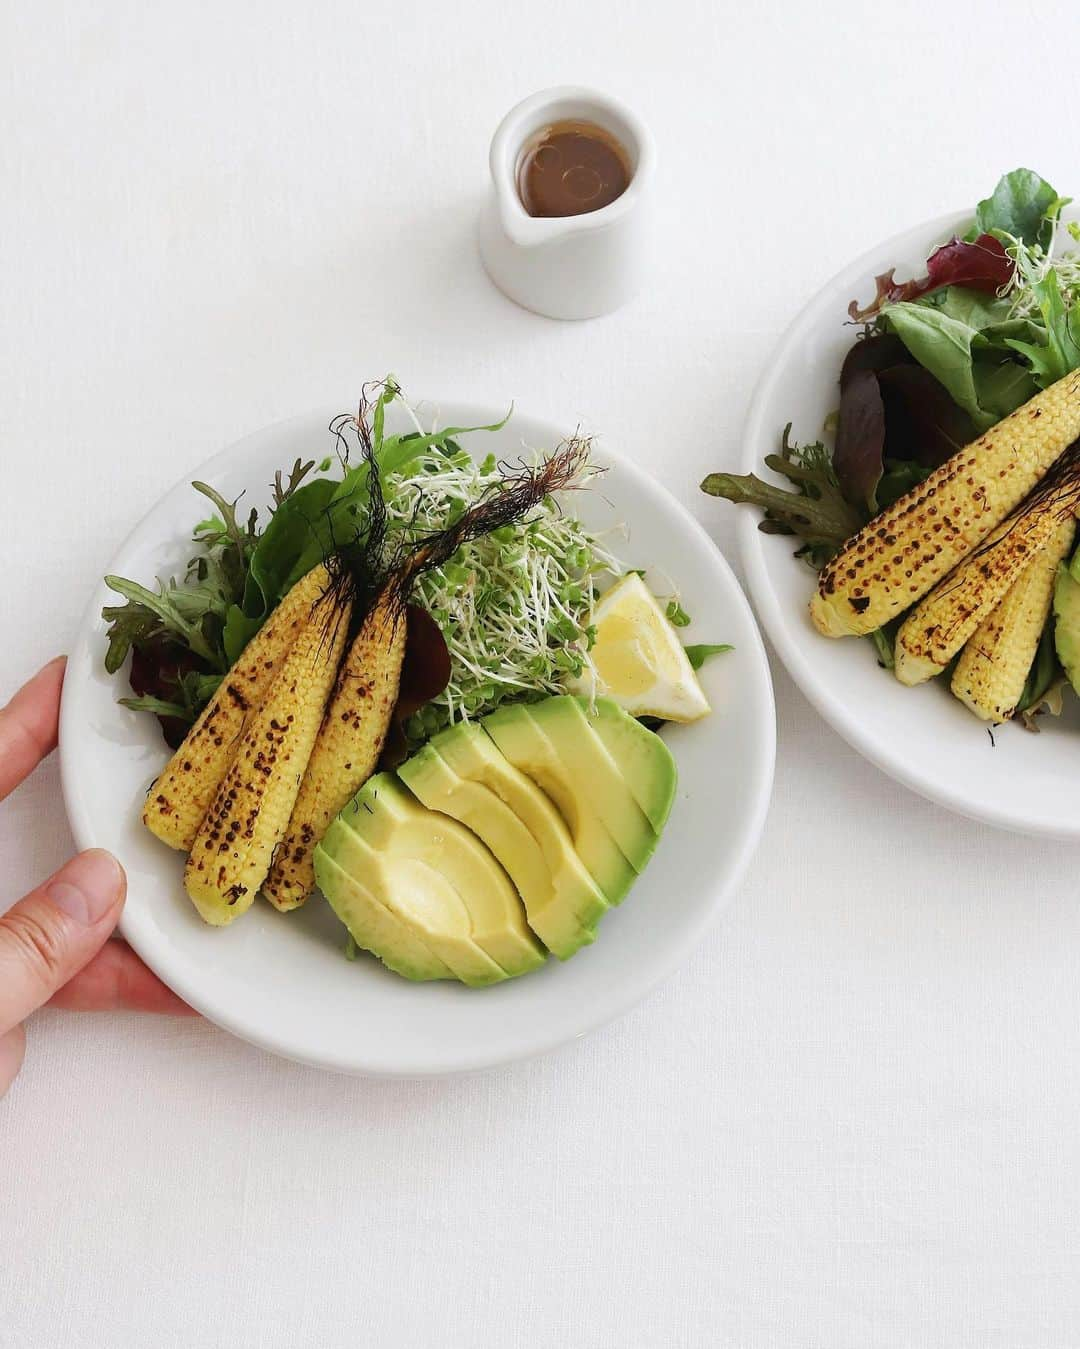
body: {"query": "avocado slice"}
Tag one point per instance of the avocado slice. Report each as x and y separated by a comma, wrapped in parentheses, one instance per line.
(645, 762)
(426, 905)
(1067, 624)
(438, 880)
(592, 770)
(373, 926)
(462, 773)
(587, 792)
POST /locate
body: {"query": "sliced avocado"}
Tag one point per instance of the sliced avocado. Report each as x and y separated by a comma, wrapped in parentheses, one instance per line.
(588, 763)
(470, 753)
(373, 926)
(642, 757)
(423, 903)
(463, 774)
(437, 877)
(576, 794)
(1067, 624)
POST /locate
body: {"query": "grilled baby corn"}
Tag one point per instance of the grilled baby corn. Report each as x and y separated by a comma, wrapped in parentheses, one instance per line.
(346, 752)
(902, 553)
(181, 796)
(251, 808)
(993, 667)
(936, 629)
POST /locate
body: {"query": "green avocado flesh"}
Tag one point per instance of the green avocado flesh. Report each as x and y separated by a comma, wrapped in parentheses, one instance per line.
(529, 824)
(1067, 624)
(642, 758)
(374, 927)
(438, 880)
(461, 773)
(565, 757)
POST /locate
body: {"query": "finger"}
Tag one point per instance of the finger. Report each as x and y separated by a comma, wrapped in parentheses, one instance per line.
(48, 937)
(28, 725)
(117, 980)
(12, 1050)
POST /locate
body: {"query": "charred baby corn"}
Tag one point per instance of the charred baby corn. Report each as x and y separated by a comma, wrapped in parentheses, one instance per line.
(936, 629)
(181, 796)
(347, 750)
(902, 553)
(250, 810)
(993, 668)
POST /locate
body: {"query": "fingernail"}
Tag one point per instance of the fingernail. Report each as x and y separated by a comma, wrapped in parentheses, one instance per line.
(89, 886)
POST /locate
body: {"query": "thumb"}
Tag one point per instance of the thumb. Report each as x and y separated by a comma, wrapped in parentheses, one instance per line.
(50, 935)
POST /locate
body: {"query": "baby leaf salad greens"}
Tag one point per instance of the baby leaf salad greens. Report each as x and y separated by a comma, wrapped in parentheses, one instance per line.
(942, 519)
(408, 689)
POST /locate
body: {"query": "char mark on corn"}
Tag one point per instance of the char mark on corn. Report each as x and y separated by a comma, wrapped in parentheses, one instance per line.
(942, 623)
(908, 548)
(247, 818)
(347, 749)
(179, 799)
(994, 665)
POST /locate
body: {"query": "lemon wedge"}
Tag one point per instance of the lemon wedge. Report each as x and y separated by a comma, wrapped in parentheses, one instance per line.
(640, 662)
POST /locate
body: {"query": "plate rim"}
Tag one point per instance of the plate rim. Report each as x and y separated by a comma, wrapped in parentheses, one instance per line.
(221, 1014)
(771, 613)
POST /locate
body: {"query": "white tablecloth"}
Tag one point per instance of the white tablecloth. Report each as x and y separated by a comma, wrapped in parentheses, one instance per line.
(850, 1122)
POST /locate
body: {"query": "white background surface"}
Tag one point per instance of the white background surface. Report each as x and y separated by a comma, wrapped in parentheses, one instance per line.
(850, 1122)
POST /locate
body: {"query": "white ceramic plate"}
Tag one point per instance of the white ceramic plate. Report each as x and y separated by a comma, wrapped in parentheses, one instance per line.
(923, 737)
(281, 980)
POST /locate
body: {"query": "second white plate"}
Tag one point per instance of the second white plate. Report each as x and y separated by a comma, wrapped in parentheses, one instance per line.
(922, 737)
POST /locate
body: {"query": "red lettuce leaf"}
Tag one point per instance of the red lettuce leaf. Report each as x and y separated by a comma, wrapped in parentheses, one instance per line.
(157, 667)
(877, 352)
(892, 411)
(859, 456)
(980, 265)
(922, 423)
(425, 672)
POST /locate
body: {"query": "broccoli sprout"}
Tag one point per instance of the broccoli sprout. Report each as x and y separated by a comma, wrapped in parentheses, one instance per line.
(515, 606)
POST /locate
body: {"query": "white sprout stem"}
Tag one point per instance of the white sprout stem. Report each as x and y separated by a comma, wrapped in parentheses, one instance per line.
(497, 621)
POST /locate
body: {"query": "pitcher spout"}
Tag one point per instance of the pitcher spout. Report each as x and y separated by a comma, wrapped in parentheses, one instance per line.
(522, 229)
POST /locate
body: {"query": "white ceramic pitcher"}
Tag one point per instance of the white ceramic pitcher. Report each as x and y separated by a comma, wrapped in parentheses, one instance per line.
(568, 267)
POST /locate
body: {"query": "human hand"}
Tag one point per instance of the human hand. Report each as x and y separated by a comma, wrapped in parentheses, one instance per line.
(54, 944)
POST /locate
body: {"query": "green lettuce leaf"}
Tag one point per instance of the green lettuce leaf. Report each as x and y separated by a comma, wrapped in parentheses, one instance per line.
(943, 345)
(1023, 205)
(238, 630)
(299, 528)
(1045, 669)
(813, 508)
(1059, 353)
(974, 363)
(1002, 386)
(968, 306)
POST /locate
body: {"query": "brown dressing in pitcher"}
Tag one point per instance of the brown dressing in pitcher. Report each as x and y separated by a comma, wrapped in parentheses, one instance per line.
(571, 168)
